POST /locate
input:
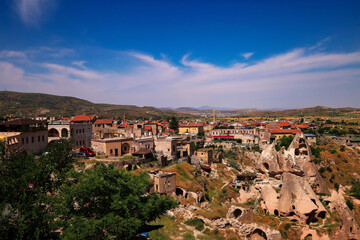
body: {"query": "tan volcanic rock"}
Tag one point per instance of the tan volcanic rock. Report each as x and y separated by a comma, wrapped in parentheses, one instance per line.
(296, 199)
(349, 227)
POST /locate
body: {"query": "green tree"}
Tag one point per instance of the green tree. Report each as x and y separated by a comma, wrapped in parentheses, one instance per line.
(174, 123)
(24, 184)
(285, 141)
(103, 203)
(355, 190)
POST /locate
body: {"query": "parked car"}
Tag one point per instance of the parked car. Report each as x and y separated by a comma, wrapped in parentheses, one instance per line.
(82, 155)
(87, 150)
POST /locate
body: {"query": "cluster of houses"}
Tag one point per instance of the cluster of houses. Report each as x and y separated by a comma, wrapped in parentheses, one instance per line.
(141, 138)
(145, 139)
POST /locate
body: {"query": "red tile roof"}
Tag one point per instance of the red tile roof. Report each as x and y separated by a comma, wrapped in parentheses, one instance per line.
(302, 126)
(277, 130)
(83, 118)
(103, 121)
(284, 124)
(147, 127)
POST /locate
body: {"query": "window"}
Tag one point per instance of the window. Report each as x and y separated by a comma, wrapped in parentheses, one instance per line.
(27, 140)
(111, 151)
(32, 139)
(43, 138)
(38, 138)
(22, 140)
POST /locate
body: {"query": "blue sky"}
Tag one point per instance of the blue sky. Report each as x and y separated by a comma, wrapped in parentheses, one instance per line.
(238, 54)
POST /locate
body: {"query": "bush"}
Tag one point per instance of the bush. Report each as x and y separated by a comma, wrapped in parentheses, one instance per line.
(355, 190)
(316, 151)
(333, 151)
(342, 148)
(197, 223)
(350, 204)
(287, 226)
(317, 161)
(336, 186)
(285, 141)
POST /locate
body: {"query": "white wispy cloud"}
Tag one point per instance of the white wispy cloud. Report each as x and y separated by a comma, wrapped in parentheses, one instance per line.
(79, 63)
(247, 55)
(12, 54)
(152, 81)
(32, 12)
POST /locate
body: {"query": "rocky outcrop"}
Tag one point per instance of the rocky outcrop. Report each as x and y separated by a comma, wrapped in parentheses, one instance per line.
(182, 193)
(300, 151)
(307, 233)
(268, 162)
(349, 227)
(297, 159)
(295, 200)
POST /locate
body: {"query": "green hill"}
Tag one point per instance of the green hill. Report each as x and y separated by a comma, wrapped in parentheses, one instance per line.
(20, 104)
(313, 111)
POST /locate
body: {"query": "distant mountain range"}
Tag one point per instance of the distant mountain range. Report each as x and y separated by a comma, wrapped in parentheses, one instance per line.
(37, 104)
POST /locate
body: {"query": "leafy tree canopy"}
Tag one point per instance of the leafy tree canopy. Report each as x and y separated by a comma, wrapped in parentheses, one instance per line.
(108, 203)
(41, 194)
(174, 123)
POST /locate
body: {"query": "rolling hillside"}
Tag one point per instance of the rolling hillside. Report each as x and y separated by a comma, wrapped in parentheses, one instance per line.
(313, 111)
(36, 104)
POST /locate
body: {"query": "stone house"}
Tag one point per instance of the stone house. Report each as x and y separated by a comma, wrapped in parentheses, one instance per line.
(165, 183)
(112, 146)
(81, 132)
(32, 135)
(205, 155)
(191, 128)
(167, 146)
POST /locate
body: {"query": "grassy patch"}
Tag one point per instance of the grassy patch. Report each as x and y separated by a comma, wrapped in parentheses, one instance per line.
(196, 222)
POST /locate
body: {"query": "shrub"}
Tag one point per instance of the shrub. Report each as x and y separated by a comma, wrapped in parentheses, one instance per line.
(287, 226)
(355, 190)
(350, 204)
(336, 186)
(342, 148)
(197, 223)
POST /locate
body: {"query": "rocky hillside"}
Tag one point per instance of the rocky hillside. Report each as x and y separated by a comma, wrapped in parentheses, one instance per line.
(292, 193)
(37, 104)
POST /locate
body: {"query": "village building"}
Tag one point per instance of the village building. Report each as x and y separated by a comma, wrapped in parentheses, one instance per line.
(112, 146)
(79, 131)
(311, 138)
(100, 125)
(84, 119)
(164, 182)
(166, 146)
(205, 155)
(277, 133)
(29, 134)
(144, 143)
(247, 136)
(209, 127)
(191, 128)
